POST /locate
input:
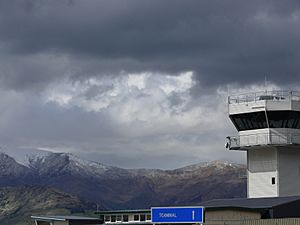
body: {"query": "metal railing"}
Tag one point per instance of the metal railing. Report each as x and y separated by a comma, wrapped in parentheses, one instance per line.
(263, 96)
(262, 139)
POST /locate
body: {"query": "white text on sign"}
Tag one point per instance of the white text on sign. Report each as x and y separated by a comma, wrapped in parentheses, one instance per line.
(168, 215)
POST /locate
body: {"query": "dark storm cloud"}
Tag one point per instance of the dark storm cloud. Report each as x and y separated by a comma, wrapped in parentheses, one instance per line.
(222, 41)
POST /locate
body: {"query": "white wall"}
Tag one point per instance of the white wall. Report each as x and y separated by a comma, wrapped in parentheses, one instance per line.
(269, 136)
(254, 137)
(262, 166)
(289, 171)
(237, 108)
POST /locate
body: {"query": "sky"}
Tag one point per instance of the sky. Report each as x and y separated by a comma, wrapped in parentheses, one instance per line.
(136, 83)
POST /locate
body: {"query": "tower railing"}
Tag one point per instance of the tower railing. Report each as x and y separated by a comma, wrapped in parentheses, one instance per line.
(262, 139)
(263, 96)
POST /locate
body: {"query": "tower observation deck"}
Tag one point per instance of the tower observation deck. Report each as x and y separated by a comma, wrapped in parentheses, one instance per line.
(268, 125)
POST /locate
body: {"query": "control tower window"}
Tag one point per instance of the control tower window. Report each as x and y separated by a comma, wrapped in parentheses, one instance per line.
(249, 121)
(284, 119)
(257, 120)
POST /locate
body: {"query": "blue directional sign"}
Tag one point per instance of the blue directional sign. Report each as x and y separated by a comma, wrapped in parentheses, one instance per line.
(177, 214)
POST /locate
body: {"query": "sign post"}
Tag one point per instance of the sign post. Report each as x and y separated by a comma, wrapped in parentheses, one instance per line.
(187, 214)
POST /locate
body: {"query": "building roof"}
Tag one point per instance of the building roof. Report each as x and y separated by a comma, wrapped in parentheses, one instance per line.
(249, 203)
(127, 211)
(66, 218)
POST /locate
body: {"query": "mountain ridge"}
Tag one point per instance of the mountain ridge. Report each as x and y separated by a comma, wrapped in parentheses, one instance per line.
(125, 188)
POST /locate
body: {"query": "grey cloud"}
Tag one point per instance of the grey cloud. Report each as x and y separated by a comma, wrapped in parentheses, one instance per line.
(27, 120)
(175, 99)
(223, 42)
(95, 90)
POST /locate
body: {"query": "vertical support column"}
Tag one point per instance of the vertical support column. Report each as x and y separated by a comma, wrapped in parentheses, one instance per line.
(248, 173)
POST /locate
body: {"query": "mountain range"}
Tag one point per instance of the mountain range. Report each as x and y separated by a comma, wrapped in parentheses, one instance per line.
(116, 188)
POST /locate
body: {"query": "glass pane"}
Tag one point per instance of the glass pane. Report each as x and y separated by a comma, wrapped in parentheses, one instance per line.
(284, 119)
(107, 218)
(257, 120)
(148, 216)
(113, 219)
(119, 218)
(136, 217)
(125, 218)
(249, 121)
(142, 217)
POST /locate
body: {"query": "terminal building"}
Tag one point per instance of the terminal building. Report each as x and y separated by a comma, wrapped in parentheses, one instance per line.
(139, 216)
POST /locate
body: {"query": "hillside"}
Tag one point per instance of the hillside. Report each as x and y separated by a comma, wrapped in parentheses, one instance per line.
(17, 204)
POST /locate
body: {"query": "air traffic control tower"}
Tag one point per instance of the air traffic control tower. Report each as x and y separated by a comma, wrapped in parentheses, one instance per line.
(268, 125)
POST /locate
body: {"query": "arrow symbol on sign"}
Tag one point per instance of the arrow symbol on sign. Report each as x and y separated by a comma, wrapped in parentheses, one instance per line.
(193, 215)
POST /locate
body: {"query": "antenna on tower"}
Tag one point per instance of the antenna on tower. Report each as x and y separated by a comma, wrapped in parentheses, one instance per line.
(266, 84)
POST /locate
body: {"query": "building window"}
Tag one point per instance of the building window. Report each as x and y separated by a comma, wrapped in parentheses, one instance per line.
(142, 217)
(148, 217)
(125, 218)
(258, 120)
(273, 180)
(249, 121)
(136, 217)
(119, 218)
(107, 218)
(113, 219)
(284, 119)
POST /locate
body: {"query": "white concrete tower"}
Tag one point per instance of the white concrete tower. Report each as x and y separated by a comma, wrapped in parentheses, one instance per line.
(269, 131)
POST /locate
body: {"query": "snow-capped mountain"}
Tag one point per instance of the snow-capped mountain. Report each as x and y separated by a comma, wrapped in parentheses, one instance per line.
(23, 155)
(44, 161)
(9, 167)
(115, 187)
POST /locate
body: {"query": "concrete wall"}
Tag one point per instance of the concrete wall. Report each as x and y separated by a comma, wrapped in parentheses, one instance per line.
(289, 171)
(269, 136)
(282, 163)
(262, 166)
(246, 107)
(255, 137)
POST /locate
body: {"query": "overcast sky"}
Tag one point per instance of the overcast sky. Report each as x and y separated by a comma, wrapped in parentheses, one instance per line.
(138, 83)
